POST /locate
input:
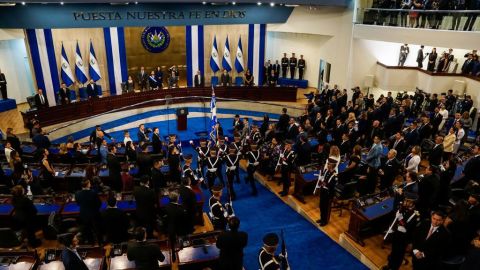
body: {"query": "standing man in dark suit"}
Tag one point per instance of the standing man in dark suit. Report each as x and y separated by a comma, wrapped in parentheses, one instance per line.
(293, 66)
(430, 242)
(471, 170)
(225, 78)
(41, 100)
(276, 69)
(117, 233)
(189, 202)
(144, 161)
(142, 78)
(146, 255)
(70, 258)
(231, 244)
(388, 170)
(157, 143)
(89, 205)
(64, 94)
(146, 205)
(199, 80)
(92, 89)
(285, 64)
(283, 121)
(435, 155)
(420, 57)
(301, 67)
(3, 85)
(142, 134)
(114, 169)
(176, 220)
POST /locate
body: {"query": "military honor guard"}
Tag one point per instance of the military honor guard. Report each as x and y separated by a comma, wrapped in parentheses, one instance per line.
(301, 67)
(285, 64)
(255, 135)
(293, 66)
(266, 257)
(253, 160)
(286, 163)
(187, 170)
(213, 163)
(203, 151)
(219, 213)
(327, 180)
(232, 161)
(238, 145)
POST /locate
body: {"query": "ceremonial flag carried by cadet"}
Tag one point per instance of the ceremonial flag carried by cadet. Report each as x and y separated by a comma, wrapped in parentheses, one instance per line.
(79, 67)
(226, 61)
(239, 57)
(213, 112)
(93, 69)
(214, 61)
(66, 73)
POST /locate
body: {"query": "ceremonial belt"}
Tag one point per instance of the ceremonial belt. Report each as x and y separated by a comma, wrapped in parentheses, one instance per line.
(264, 266)
(255, 163)
(288, 155)
(233, 167)
(213, 169)
(211, 210)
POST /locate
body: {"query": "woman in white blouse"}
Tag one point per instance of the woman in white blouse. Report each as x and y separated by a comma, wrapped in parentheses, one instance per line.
(448, 143)
(460, 133)
(335, 154)
(413, 160)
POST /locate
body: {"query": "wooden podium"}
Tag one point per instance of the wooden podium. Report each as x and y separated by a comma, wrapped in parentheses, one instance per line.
(182, 114)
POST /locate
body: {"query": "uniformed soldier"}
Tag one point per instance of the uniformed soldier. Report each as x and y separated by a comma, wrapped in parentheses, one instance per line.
(253, 159)
(218, 213)
(286, 162)
(187, 170)
(173, 142)
(231, 163)
(284, 65)
(213, 163)
(293, 66)
(266, 257)
(203, 151)
(326, 184)
(301, 67)
(237, 143)
(255, 135)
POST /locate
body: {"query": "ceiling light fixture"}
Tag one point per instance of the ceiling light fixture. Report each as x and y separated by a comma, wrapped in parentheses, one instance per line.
(204, 3)
(259, 3)
(272, 4)
(23, 3)
(234, 3)
(61, 3)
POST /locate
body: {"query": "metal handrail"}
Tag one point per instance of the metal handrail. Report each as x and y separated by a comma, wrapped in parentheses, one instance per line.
(169, 99)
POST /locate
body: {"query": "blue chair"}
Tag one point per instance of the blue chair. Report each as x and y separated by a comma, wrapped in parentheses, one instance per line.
(214, 80)
(238, 81)
(99, 90)
(82, 92)
(73, 95)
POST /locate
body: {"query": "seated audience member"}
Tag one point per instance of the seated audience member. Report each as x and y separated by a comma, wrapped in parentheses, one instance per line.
(272, 78)
(231, 244)
(115, 222)
(24, 216)
(70, 257)
(145, 255)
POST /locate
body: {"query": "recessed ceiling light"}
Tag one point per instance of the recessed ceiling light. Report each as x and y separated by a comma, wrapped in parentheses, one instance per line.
(259, 3)
(136, 3)
(234, 3)
(204, 2)
(61, 3)
(23, 3)
(272, 4)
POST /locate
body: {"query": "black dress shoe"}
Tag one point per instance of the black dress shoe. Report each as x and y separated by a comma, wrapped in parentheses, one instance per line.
(323, 224)
(319, 221)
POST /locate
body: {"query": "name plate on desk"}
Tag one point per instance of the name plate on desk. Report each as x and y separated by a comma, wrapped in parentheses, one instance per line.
(122, 262)
(192, 255)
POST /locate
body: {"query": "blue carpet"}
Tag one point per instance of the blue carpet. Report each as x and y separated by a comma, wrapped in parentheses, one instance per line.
(308, 247)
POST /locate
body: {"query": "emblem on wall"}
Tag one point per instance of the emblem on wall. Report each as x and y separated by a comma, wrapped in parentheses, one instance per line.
(155, 39)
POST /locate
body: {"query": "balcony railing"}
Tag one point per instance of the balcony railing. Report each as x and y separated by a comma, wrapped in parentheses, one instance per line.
(458, 20)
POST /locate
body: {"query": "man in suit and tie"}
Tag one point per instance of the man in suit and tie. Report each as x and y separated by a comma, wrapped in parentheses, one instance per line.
(145, 254)
(373, 162)
(468, 65)
(89, 205)
(225, 78)
(144, 161)
(189, 201)
(157, 143)
(420, 57)
(64, 94)
(142, 78)
(146, 205)
(117, 233)
(231, 244)
(430, 242)
(435, 155)
(292, 130)
(3, 85)
(142, 134)
(471, 170)
(388, 170)
(70, 258)
(41, 100)
(114, 169)
(399, 144)
(199, 80)
(92, 89)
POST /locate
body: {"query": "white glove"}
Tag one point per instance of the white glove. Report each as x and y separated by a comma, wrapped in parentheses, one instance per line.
(402, 229)
(191, 142)
(247, 137)
(179, 144)
(399, 215)
(281, 155)
(226, 139)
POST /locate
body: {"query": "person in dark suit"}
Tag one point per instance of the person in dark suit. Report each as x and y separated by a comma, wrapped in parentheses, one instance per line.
(388, 169)
(24, 215)
(41, 140)
(146, 205)
(89, 205)
(144, 161)
(436, 153)
(176, 220)
(471, 170)
(225, 78)
(436, 120)
(292, 130)
(41, 100)
(231, 244)
(70, 258)
(199, 80)
(142, 134)
(420, 57)
(283, 121)
(114, 169)
(3, 85)
(117, 233)
(189, 202)
(399, 144)
(159, 76)
(64, 94)
(146, 255)
(142, 78)
(153, 84)
(158, 180)
(468, 64)
(157, 143)
(432, 58)
(92, 89)
(276, 69)
(429, 243)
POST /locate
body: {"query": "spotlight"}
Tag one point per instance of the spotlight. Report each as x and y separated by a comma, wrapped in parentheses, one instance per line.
(272, 4)
(259, 3)
(234, 3)
(204, 3)
(61, 3)
(136, 3)
(23, 3)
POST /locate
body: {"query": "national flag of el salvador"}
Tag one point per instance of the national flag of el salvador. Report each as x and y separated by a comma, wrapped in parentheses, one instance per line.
(226, 61)
(239, 57)
(66, 73)
(94, 69)
(214, 61)
(213, 110)
(79, 67)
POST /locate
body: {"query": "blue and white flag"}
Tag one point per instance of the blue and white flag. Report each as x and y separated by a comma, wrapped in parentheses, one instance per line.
(66, 73)
(226, 61)
(79, 67)
(93, 69)
(214, 61)
(239, 57)
(213, 112)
